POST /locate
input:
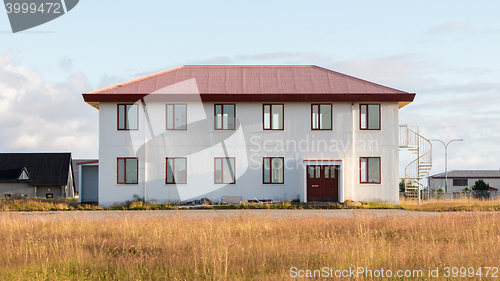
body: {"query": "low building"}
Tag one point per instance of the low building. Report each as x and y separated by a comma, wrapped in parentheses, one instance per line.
(459, 179)
(48, 175)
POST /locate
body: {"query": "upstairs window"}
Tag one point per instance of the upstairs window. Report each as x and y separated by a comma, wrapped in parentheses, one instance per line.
(369, 169)
(369, 116)
(127, 170)
(128, 115)
(273, 170)
(225, 116)
(321, 117)
(176, 170)
(273, 116)
(224, 170)
(176, 117)
(459, 182)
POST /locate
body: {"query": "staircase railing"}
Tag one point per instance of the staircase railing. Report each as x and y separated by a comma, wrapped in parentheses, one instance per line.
(419, 168)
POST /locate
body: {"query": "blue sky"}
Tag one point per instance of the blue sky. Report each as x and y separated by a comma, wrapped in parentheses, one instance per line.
(445, 51)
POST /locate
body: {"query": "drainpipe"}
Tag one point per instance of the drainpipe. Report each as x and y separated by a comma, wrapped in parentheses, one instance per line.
(145, 153)
(354, 165)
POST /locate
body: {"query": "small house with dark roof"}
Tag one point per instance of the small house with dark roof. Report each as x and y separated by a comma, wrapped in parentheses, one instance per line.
(248, 132)
(48, 175)
(459, 179)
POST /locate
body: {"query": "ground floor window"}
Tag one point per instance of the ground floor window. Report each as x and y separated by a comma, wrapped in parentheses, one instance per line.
(224, 170)
(273, 170)
(7, 195)
(176, 170)
(369, 169)
(127, 170)
(49, 195)
(459, 182)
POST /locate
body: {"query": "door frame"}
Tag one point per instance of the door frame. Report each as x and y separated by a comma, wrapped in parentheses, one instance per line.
(324, 162)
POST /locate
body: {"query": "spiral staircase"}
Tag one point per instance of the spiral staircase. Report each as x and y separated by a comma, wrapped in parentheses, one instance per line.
(415, 171)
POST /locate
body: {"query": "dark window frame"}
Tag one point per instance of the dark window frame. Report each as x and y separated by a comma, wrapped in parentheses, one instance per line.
(49, 195)
(460, 181)
(7, 195)
(271, 171)
(125, 117)
(271, 117)
(173, 121)
(222, 167)
(368, 170)
(319, 110)
(125, 170)
(367, 118)
(222, 115)
(173, 170)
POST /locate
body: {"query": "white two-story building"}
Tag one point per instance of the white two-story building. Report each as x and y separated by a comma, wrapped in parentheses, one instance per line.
(255, 132)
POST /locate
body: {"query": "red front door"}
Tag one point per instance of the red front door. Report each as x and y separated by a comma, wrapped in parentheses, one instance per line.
(322, 183)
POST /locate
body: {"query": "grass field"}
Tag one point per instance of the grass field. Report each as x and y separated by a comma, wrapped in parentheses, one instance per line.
(40, 204)
(242, 248)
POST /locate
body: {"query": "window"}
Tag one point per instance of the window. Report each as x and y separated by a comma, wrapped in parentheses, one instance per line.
(24, 176)
(176, 170)
(273, 117)
(224, 170)
(369, 169)
(459, 182)
(330, 171)
(176, 117)
(49, 195)
(321, 117)
(7, 195)
(127, 170)
(225, 116)
(273, 170)
(369, 116)
(128, 115)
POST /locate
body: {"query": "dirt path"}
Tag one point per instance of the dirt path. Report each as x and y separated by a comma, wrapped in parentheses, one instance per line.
(273, 213)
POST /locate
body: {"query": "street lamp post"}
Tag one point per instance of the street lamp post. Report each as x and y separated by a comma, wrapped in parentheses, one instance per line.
(446, 161)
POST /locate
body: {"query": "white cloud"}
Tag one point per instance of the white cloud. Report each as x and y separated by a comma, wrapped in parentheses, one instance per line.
(460, 26)
(41, 116)
(65, 64)
(449, 27)
(281, 57)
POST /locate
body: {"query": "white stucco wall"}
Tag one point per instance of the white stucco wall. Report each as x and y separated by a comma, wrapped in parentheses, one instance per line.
(248, 145)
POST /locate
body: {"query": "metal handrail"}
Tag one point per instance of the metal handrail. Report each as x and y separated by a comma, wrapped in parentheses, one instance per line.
(419, 168)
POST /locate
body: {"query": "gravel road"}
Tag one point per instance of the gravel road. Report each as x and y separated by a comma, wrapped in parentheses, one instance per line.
(272, 213)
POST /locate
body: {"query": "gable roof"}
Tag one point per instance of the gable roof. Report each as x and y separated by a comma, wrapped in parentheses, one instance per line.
(44, 169)
(252, 83)
(473, 174)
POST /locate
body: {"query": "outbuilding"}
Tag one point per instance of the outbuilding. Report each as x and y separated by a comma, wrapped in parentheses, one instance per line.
(48, 175)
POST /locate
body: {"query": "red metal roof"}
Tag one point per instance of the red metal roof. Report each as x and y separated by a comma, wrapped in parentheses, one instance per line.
(252, 83)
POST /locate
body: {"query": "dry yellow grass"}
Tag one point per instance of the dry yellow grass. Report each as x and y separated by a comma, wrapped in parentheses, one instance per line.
(242, 248)
(461, 205)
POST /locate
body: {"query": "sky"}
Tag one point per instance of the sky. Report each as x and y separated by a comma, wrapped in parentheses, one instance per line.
(447, 52)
